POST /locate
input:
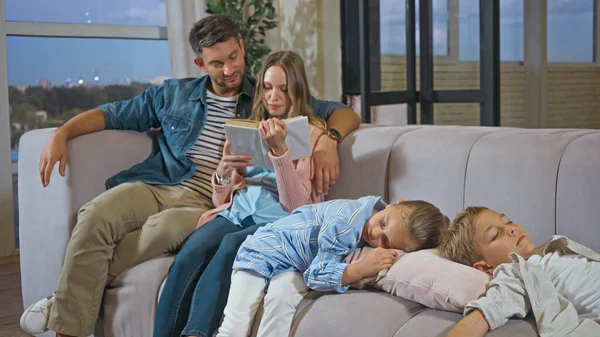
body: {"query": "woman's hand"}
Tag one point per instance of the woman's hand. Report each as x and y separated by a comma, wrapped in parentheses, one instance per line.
(231, 162)
(273, 131)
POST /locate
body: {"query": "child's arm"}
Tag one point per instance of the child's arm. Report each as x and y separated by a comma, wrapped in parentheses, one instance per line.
(336, 240)
(473, 325)
(375, 261)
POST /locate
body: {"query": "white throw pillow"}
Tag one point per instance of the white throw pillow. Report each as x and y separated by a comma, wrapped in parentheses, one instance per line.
(426, 278)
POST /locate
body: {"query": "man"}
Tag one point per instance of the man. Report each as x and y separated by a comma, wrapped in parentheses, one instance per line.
(151, 208)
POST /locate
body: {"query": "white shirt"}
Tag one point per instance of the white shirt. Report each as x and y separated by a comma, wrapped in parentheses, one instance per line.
(576, 278)
(555, 286)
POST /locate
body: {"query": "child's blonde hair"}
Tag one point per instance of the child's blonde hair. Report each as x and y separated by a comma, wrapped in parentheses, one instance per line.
(424, 222)
(457, 242)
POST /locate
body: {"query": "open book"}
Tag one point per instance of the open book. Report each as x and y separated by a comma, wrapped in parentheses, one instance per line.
(245, 138)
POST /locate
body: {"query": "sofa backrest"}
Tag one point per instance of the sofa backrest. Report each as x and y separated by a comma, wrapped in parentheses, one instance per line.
(547, 180)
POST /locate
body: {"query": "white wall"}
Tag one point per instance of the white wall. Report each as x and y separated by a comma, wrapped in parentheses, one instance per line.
(311, 28)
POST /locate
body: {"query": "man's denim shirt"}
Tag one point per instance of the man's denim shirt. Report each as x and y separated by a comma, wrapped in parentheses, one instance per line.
(178, 108)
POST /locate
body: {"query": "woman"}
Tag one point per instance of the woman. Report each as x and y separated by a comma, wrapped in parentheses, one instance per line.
(245, 198)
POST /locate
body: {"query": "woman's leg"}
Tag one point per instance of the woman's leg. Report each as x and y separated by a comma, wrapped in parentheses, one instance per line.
(210, 296)
(285, 292)
(246, 294)
(189, 264)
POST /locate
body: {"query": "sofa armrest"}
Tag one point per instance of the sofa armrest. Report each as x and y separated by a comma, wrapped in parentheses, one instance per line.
(47, 215)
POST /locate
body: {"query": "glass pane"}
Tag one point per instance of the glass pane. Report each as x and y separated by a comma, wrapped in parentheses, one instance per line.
(120, 12)
(73, 76)
(513, 77)
(511, 30)
(570, 31)
(468, 27)
(393, 114)
(392, 26)
(464, 72)
(572, 89)
(456, 114)
(451, 73)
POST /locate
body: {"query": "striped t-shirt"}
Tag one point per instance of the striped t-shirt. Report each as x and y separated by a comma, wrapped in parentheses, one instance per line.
(206, 153)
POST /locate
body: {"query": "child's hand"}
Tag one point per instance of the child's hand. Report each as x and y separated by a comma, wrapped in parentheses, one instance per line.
(377, 260)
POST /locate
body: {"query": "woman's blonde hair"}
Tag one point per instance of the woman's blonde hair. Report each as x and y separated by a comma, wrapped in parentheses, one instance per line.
(297, 88)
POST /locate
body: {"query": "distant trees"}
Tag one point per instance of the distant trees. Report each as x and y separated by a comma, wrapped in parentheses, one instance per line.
(60, 104)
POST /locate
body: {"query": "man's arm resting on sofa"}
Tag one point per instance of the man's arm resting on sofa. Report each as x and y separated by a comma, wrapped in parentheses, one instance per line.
(325, 170)
(56, 147)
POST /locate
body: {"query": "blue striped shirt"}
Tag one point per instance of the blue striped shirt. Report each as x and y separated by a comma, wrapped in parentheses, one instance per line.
(259, 198)
(313, 240)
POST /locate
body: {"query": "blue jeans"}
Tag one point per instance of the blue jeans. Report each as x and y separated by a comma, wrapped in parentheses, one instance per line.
(195, 294)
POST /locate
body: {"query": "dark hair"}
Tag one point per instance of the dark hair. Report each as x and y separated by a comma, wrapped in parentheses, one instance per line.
(212, 30)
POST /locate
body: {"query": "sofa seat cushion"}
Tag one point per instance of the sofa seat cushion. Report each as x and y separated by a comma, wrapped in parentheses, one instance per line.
(376, 313)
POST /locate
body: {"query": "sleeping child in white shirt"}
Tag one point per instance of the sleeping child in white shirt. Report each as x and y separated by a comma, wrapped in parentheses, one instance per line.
(558, 281)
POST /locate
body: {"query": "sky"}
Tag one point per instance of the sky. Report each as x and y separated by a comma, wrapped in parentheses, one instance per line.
(30, 59)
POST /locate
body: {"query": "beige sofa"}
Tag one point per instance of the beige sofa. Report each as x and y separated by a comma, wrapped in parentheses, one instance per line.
(547, 180)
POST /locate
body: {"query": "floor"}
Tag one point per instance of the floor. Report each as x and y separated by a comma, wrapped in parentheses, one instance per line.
(11, 305)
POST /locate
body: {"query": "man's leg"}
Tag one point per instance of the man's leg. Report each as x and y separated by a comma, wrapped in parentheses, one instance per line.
(100, 224)
(186, 269)
(285, 292)
(162, 233)
(210, 294)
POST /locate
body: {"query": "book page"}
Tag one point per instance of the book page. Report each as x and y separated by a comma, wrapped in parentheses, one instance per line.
(246, 140)
(298, 137)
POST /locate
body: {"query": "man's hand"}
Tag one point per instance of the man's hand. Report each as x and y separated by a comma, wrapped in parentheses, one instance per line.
(326, 165)
(474, 325)
(230, 162)
(54, 151)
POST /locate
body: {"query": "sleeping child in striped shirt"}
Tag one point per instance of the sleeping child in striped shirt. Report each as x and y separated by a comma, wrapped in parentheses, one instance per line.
(313, 240)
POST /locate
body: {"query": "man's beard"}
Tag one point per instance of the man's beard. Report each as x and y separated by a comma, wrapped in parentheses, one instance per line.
(226, 85)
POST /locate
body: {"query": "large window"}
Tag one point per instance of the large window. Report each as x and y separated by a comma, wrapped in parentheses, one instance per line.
(119, 12)
(67, 57)
(404, 77)
(392, 16)
(511, 30)
(571, 31)
(75, 75)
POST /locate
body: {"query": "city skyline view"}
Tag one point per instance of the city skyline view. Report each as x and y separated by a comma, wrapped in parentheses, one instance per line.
(113, 61)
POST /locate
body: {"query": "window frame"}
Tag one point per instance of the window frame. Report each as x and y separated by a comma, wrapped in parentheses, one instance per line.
(488, 95)
(65, 30)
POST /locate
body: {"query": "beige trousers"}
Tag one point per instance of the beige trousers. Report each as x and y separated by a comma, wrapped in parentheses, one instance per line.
(124, 226)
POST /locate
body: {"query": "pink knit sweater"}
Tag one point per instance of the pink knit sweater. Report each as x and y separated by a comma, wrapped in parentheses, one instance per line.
(293, 183)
